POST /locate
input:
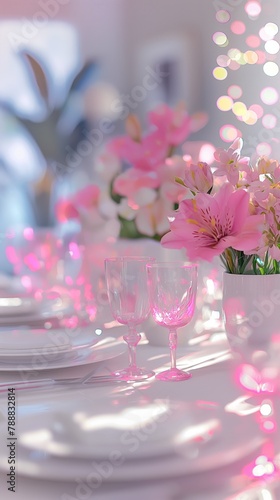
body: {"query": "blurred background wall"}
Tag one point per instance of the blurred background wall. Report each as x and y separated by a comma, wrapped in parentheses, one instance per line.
(65, 62)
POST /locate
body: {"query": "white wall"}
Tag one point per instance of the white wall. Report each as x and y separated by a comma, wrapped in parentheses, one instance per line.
(115, 32)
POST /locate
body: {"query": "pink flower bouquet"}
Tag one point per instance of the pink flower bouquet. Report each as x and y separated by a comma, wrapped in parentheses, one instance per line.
(134, 190)
(145, 190)
(232, 212)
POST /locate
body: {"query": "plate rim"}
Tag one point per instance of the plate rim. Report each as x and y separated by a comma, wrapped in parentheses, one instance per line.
(84, 356)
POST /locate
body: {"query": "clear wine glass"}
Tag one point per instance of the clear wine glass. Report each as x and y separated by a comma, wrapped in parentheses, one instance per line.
(127, 286)
(172, 291)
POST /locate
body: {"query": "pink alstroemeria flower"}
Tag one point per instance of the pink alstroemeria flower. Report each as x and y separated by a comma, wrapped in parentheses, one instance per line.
(169, 188)
(266, 165)
(131, 180)
(83, 200)
(107, 166)
(275, 186)
(146, 154)
(153, 219)
(266, 187)
(207, 225)
(65, 210)
(176, 124)
(270, 240)
(230, 163)
(198, 178)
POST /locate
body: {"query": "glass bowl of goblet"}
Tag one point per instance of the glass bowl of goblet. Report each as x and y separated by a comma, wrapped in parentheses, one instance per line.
(172, 292)
(127, 287)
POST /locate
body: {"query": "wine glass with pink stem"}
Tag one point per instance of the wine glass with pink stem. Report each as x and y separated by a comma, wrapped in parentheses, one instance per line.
(172, 291)
(127, 287)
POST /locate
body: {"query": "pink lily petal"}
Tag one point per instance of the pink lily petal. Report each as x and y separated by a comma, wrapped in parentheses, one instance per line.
(207, 225)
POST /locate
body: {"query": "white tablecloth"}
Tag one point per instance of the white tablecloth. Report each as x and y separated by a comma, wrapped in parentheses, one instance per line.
(212, 380)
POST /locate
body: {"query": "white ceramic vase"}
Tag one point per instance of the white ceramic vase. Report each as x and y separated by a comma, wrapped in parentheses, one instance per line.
(251, 305)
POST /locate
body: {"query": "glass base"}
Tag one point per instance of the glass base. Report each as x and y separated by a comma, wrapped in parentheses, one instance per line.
(133, 374)
(173, 375)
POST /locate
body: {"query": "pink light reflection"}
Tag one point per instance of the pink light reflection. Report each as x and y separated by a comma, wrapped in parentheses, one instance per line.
(265, 418)
(32, 262)
(74, 250)
(12, 255)
(28, 233)
(26, 282)
(262, 466)
(249, 378)
(71, 322)
(68, 280)
(80, 280)
(91, 311)
(38, 295)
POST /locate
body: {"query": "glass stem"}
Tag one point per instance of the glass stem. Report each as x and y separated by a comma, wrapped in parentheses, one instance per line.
(132, 339)
(172, 342)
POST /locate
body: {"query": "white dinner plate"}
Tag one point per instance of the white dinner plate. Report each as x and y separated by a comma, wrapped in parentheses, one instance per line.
(17, 306)
(24, 342)
(18, 309)
(111, 432)
(140, 429)
(76, 355)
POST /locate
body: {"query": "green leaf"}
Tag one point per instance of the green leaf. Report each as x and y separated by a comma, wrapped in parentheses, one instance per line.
(180, 181)
(130, 231)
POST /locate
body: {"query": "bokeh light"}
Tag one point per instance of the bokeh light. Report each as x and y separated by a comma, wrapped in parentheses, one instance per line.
(271, 68)
(253, 41)
(242, 59)
(222, 16)
(271, 46)
(220, 73)
(234, 54)
(234, 65)
(224, 103)
(229, 133)
(250, 117)
(251, 57)
(268, 31)
(235, 91)
(257, 109)
(261, 56)
(223, 61)
(262, 49)
(269, 121)
(271, 29)
(206, 153)
(220, 39)
(263, 149)
(253, 9)
(28, 233)
(264, 36)
(238, 27)
(269, 95)
(239, 108)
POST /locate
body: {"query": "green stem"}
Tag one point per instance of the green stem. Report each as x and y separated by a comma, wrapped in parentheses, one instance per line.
(229, 260)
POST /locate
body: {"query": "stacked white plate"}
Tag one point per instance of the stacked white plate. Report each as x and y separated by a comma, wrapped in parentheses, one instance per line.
(37, 349)
(32, 337)
(20, 309)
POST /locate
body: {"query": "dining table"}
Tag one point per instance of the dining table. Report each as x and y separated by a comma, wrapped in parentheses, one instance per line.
(71, 431)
